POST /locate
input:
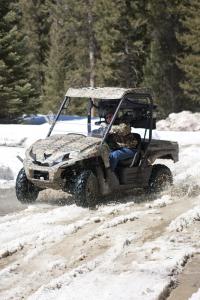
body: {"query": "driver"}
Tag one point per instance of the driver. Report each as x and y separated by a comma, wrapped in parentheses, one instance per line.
(121, 142)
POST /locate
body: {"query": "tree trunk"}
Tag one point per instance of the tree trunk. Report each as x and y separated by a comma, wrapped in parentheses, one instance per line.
(91, 48)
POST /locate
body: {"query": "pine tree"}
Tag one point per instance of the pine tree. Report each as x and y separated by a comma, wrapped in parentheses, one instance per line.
(190, 60)
(120, 33)
(55, 70)
(161, 72)
(106, 33)
(82, 48)
(16, 92)
(70, 56)
(69, 60)
(130, 45)
(81, 44)
(35, 20)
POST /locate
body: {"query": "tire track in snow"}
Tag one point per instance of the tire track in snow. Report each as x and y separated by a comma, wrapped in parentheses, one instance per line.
(107, 236)
(30, 257)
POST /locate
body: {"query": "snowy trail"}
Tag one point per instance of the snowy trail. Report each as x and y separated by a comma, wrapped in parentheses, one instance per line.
(69, 247)
(133, 250)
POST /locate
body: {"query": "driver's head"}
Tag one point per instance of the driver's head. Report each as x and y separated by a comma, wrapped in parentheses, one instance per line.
(108, 117)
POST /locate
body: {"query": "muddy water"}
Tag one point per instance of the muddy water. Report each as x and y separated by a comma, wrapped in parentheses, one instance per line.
(10, 204)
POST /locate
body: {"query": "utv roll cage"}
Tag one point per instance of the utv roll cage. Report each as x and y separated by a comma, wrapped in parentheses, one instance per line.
(136, 105)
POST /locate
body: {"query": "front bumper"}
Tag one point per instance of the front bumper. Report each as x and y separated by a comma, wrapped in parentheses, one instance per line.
(43, 176)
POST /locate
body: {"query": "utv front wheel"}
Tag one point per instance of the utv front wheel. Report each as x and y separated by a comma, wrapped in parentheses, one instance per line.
(86, 189)
(161, 177)
(26, 192)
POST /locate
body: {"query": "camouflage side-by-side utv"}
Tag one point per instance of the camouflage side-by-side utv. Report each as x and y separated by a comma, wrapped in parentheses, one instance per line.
(77, 161)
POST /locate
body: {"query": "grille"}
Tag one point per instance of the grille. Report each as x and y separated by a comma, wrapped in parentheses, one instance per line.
(41, 175)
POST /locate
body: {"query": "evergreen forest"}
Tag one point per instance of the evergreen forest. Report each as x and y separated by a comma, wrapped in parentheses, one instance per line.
(47, 46)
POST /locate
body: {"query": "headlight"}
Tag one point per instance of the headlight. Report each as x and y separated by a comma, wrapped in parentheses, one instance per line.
(60, 159)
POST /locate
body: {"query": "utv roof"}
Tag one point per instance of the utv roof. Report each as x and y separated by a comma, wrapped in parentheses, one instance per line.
(106, 92)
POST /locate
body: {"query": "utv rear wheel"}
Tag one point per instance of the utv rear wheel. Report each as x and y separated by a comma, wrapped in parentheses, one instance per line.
(161, 177)
(26, 192)
(86, 189)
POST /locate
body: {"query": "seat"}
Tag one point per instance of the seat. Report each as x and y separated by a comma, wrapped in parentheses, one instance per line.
(133, 161)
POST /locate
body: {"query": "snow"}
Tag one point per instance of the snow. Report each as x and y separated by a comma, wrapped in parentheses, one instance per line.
(120, 250)
(14, 139)
(143, 279)
(9, 165)
(21, 135)
(104, 286)
(185, 220)
(161, 202)
(195, 296)
(183, 121)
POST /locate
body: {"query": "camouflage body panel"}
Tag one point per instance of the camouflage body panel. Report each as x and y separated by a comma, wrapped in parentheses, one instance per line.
(47, 158)
(160, 149)
(75, 145)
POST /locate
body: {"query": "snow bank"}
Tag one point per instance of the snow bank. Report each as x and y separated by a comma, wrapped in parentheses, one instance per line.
(183, 121)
